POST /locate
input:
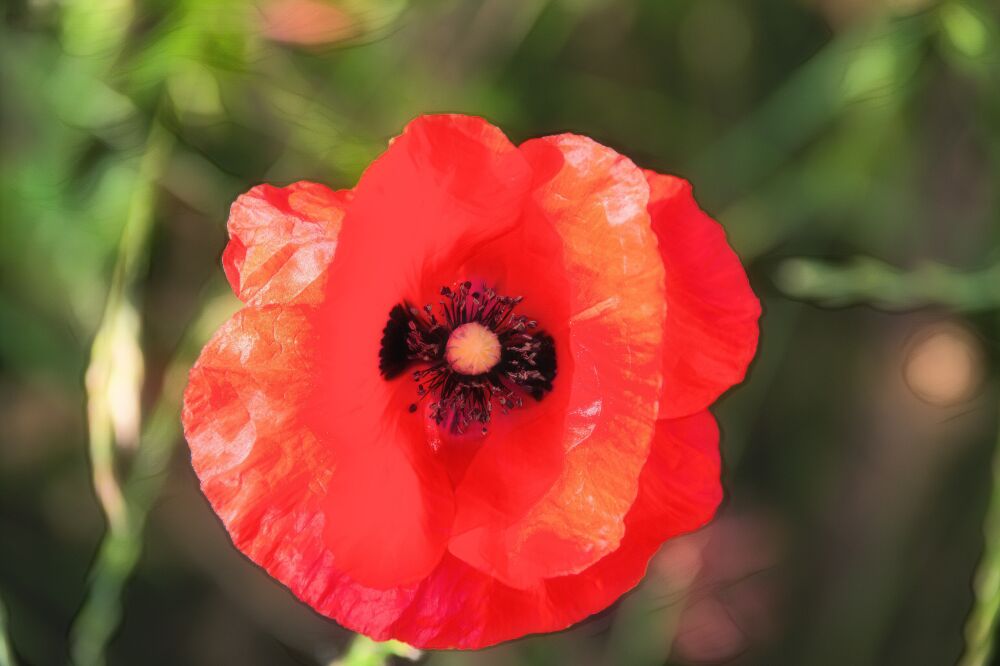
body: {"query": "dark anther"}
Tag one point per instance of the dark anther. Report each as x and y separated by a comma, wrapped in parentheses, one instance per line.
(393, 357)
(497, 357)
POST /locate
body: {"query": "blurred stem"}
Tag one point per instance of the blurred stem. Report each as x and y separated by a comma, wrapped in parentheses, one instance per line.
(99, 615)
(6, 653)
(866, 280)
(118, 309)
(363, 651)
(120, 549)
(983, 623)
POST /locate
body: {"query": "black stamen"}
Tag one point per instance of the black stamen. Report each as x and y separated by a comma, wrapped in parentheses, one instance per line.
(527, 362)
(393, 357)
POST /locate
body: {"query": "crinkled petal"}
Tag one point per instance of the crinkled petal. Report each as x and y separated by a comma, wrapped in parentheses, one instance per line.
(252, 417)
(711, 330)
(282, 240)
(459, 606)
(596, 201)
(263, 472)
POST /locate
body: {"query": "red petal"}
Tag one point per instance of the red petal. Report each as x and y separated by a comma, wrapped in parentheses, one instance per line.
(596, 201)
(461, 607)
(243, 410)
(264, 472)
(252, 416)
(711, 329)
(444, 187)
(281, 241)
(523, 454)
(322, 476)
(267, 477)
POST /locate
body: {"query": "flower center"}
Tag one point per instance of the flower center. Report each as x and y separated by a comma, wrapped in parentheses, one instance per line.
(476, 352)
(472, 349)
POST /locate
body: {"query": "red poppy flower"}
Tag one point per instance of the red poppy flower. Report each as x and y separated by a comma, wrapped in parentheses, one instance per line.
(467, 400)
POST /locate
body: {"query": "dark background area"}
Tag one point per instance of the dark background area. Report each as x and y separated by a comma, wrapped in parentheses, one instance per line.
(851, 148)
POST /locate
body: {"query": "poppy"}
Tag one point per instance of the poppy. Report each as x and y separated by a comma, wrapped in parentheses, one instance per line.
(467, 400)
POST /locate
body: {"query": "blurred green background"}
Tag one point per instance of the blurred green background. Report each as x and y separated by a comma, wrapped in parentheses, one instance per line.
(850, 147)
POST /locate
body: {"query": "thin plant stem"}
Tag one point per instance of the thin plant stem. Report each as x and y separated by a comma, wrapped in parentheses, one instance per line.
(119, 313)
(117, 332)
(984, 620)
(6, 652)
(867, 280)
(120, 549)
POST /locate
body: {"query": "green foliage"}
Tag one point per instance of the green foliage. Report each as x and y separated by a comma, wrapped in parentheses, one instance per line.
(867, 133)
